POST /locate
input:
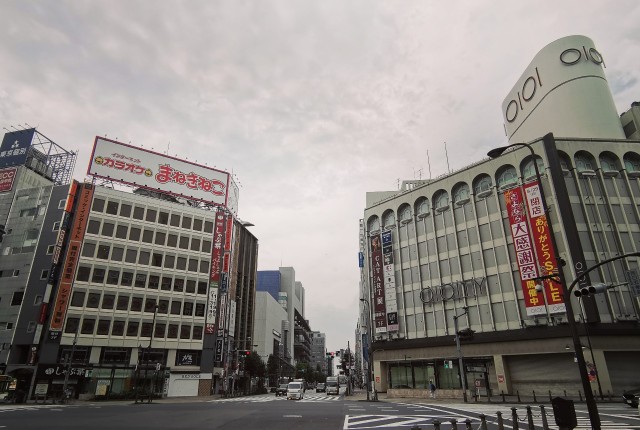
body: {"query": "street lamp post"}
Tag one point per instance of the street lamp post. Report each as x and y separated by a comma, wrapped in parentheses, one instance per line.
(148, 352)
(463, 378)
(370, 354)
(146, 367)
(594, 417)
(69, 362)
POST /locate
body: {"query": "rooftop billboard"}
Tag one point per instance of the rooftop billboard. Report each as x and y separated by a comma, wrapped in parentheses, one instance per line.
(139, 167)
(14, 147)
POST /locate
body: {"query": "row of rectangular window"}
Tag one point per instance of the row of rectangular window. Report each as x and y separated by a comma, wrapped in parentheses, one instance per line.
(104, 327)
(127, 210)
(113, 276)
(135, 234)
(124, 302)
(134, 255)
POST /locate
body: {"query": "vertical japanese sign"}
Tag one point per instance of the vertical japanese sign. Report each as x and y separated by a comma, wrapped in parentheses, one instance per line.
(391, 302)
(232, 316)
(7, 176)
(55, 262)
(212, 303)
(377, 282)
(214, 275)
(547, 262)
(228, 237)
(71, 260)
(524, 251)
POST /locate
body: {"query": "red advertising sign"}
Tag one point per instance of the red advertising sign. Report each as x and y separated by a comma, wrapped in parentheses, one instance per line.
(524, 251)
(377, 282)
(216, 253)
(225, 262)
(71, 260)
(214, 275)
(7, 176)
(143, 168)
(547, 262)
(228, 234)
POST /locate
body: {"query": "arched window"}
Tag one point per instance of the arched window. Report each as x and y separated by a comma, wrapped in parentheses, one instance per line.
(461, 194)
(389, 219)
(373, 224)
(507, 177)
(609, 165)
(441, 201)
(483, 187)
(585, 164)
(422, 207)
(632, 164)
(529, 171)
(404, 214)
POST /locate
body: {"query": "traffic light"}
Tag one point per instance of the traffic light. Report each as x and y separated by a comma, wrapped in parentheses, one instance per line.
(591, 290)
(466, 334)
(244, 353)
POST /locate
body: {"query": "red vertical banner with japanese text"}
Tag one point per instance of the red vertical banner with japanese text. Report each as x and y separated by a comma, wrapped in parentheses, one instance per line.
(523, 247)
(377, 282)
(547, 262)
(67, 275)
(214, 274)
(228, 237)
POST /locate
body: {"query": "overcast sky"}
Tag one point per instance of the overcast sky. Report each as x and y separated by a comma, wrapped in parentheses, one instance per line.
(309, 103)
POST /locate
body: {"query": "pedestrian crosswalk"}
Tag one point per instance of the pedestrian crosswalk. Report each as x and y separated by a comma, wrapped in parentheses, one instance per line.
(271, 398)
(490, 411)
(426, 422)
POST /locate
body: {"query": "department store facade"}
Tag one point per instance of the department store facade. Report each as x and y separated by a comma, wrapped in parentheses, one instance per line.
(448, 249)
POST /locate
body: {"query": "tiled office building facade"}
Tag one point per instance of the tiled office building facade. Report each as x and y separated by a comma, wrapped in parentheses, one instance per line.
(139, 253)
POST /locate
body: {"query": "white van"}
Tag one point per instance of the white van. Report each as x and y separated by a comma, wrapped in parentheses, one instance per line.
(295, 391)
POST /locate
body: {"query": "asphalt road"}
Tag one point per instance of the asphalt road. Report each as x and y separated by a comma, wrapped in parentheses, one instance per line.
(267, 412)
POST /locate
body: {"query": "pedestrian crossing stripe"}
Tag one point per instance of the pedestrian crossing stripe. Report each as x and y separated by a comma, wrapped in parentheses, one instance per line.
(13, 408)
(271, 398)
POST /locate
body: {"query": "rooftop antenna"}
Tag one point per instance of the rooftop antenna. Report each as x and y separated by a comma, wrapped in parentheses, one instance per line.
(447, 156)
(429, 163)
